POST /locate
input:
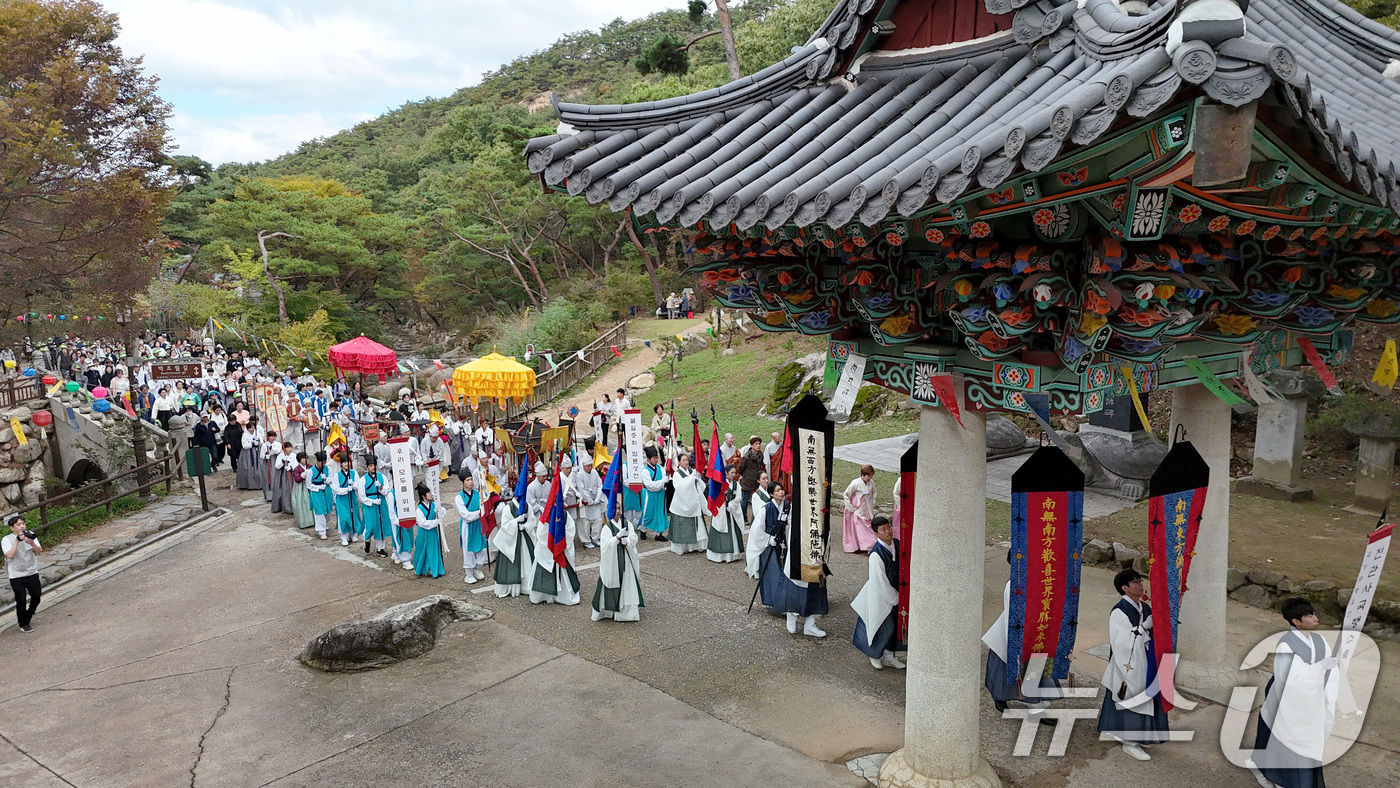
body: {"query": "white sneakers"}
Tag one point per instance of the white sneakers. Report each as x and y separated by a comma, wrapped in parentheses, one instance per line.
(1259, 777)
(876, 664)
(889, 660)
(811, 629)
(344, 542)
(408, 565)
(1135, 751)
(323, 537)
(471, 579)
(480, 575)
(792, 623)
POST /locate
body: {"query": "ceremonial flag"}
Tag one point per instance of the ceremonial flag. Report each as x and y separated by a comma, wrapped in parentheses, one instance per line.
(1047, 506)
(615, 351)
(947, 395)
(904, 505)
(126, 403)
(336, 435)
(1362, 594)
(523, 483)
(813, 440)
(1173, 518)
(1388, 369)
(714, 470)
(437, 362)
(1315, 359)
(612, 484)
(556, 518)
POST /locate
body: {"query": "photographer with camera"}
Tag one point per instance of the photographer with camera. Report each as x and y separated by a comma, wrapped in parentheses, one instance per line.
(20, 547)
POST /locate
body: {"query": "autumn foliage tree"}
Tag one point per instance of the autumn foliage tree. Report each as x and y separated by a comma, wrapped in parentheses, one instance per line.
(83, 150)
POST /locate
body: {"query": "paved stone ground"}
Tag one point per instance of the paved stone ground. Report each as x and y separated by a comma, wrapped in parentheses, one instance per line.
(181, 670)
(884, 454)
(88, 548)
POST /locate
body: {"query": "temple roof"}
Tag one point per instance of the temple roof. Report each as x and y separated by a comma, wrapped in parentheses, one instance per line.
(844, 130)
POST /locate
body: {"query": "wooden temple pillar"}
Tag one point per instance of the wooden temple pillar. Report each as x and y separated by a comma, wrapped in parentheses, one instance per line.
(1205, 665)
(943, 682)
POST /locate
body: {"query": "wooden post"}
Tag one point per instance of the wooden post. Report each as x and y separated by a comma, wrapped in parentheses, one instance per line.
(138, 447)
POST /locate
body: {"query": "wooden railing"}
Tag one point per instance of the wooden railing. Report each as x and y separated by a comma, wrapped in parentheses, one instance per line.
(13, 391)
(112, 494)
(552, 384)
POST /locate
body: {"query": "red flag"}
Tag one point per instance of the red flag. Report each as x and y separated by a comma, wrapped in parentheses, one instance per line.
(947, 395)
(615, 351)
(1315, 359)
(785, 465)
(713, 470)
(699, 450)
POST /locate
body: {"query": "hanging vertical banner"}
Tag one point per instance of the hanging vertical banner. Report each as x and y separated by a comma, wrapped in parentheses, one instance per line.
(1388, 368)
(401, 478)
(636, 458)
(432, 478)
(1127, 373)
(1211, 382)
(908, 470)
(1047, 506)
(1377, 545)
(1315, 359)
(813, 438)
(1173, 519)
(844, 398)
(18, 430)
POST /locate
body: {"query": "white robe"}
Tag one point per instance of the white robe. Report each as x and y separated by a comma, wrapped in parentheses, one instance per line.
(1301, 705)
(1128, 661)
(730, 515)
(759, 540)
(567, 594)
(689, 501)
(629, 596)
(877, 599)
(995, 638)
(504, 539)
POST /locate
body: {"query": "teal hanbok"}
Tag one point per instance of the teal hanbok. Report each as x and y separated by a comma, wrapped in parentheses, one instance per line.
(427, 550)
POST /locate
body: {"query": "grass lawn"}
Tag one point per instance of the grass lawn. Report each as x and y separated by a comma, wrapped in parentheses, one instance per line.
(651, 328)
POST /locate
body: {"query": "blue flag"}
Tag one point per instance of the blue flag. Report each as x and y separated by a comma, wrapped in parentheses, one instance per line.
(523, 483)
(612, 484)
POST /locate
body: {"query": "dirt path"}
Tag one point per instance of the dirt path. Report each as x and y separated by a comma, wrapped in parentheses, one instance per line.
(638, 359)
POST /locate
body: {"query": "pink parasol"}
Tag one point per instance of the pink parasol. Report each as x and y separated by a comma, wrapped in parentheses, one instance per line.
(365, 356)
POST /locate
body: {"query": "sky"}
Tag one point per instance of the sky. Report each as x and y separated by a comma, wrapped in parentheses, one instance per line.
(251, 79)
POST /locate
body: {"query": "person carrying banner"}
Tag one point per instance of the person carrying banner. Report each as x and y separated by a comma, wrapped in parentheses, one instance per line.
(554, 580)
(654, 495)
(427, 549)
(857, 536)
(403, 541)
(373, 490)
(725, 532)
(759, 540)
(876, 634)
(515, 551)
(687, 526)
(537, 493)
(318, 490)
(282, 466)
(301, 495)
(470, 508)
(1300, 704)
(270, 450)
(618, 595)
(347, 512)
(1132, 710)
(796, 598)
(249, 472)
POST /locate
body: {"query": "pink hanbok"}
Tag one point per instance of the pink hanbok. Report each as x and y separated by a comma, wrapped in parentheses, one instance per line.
(857, 535)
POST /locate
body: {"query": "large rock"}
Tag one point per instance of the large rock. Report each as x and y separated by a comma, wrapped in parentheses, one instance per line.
(1234, 578)
(12, 474)
(28, 452)
(11, 492)
(1096, 551)
(1264, 577)
(1124, 554)
(401, 632)
(1258, 596)
(641, 382)
(32, 492)
(6, 434)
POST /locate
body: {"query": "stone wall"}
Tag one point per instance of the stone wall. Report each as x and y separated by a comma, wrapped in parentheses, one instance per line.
(1264, 588)
(23, 468)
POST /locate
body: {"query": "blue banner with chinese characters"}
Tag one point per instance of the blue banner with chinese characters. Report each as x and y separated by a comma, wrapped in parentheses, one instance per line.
(1047, 506)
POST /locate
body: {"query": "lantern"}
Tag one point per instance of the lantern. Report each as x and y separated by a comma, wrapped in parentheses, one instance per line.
(100, 392)
(71, 387)
(101, 406)
(42, 418)
(49, 380)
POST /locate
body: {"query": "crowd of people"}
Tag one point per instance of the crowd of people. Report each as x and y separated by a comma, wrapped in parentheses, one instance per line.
(330, 464)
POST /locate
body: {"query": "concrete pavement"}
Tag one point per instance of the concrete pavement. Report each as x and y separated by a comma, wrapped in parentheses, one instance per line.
(181, 670)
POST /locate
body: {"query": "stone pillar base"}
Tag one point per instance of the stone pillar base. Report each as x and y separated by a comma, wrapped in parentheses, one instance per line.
(896, 772)
(1262, 488)
(1214, 681)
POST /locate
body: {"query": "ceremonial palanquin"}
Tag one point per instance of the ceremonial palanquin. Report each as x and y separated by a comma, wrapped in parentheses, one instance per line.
(1042, 196)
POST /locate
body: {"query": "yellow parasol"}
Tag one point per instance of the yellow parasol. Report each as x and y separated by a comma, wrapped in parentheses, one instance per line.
(493, 377)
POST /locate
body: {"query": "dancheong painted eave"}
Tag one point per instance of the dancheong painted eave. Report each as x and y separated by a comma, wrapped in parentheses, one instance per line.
(850, 131)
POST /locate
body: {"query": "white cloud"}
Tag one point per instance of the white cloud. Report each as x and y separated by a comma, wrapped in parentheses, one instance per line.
(245, 76)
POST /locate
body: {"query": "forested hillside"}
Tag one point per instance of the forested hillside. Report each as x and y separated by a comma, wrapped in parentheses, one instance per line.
(427, 214)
